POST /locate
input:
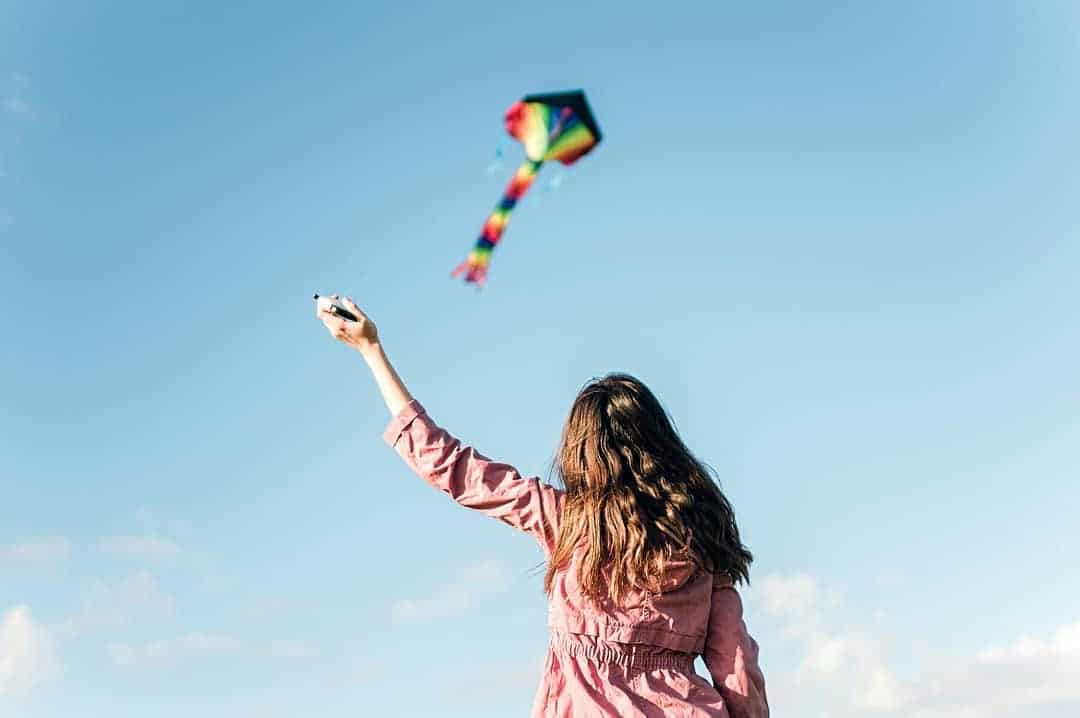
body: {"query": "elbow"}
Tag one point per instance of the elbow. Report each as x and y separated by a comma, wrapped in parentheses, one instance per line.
(744, 695)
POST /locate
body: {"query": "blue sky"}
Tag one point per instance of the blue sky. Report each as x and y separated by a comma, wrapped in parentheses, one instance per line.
(839, 241)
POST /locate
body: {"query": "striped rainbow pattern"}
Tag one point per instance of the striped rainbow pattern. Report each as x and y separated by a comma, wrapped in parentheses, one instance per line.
(558, 127)
(475, 267)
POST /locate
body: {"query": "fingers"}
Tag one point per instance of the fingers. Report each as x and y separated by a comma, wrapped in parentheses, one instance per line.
(339, 330)
(351, 306)
(327, 317)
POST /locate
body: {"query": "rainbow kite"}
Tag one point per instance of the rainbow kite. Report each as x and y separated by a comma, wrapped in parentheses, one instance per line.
(557, 126)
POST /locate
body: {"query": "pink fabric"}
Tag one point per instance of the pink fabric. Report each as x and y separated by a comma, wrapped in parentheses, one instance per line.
(633, 659)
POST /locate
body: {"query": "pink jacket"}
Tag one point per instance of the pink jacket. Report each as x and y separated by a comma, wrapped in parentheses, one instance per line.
(634, 658)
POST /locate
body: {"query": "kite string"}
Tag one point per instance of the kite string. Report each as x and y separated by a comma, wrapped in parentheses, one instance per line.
(500, 150)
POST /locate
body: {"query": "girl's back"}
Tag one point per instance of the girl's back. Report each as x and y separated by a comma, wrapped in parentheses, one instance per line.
(630, 657)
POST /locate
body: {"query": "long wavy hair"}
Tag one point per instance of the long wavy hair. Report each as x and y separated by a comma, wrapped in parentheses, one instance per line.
(636, 497)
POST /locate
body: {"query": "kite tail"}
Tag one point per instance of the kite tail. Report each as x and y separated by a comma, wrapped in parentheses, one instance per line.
(475, 267)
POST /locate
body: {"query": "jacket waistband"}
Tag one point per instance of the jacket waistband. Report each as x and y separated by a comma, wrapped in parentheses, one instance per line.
(625, 655)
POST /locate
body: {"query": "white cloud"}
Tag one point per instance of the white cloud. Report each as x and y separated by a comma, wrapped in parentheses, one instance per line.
(193, 646)
(1065, 643)
(1025, 678)
(840, 664)
(107, 605)
(139, 547)
(844, 669)
(53, 549)
(26, 656)
(15, 101)
(456, 597)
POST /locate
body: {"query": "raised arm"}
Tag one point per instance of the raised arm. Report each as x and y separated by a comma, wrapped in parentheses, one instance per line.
(731, 656)
(469, 478)
(473, 480)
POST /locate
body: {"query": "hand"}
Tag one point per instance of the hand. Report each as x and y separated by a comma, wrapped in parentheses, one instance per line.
(361, 334)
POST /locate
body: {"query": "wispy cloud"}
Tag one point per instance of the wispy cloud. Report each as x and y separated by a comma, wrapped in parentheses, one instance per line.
(15, 100)
(110, 604)
(192, 646)
(26, 655)
(456, 597)
(44, 551)
(139, 547)
(844, 669)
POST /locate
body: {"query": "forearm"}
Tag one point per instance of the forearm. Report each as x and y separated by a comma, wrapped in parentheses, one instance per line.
(393, 390)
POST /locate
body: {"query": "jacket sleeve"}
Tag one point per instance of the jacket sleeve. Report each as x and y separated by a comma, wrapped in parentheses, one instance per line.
(473, 480)
(731, 655)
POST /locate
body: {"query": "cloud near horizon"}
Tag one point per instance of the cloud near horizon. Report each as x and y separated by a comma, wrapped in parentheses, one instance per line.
(26, 655)
(844, 669)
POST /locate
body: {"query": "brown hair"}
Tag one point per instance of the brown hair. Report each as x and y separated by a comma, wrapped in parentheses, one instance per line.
(636, 496)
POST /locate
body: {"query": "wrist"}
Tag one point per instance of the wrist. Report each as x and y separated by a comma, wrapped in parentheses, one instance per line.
(370, 350)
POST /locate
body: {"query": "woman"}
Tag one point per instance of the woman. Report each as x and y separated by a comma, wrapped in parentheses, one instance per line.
(643, 552)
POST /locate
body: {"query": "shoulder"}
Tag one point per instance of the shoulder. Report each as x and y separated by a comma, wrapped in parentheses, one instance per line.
(726, 601)
(721, 581)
